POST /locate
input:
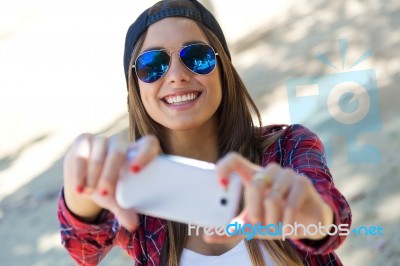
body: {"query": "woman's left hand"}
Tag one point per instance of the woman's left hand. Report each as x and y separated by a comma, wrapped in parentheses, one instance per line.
(274, 194)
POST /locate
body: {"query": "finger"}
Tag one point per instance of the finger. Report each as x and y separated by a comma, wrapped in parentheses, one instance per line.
(253, 198)
(283, 182)
(266, 176)
(274, 201)
(295, 200)
(114, 160)
(235, 163)
(145, 149)
(255, 192)
(79, 158)
(262, 179)
(97, 157)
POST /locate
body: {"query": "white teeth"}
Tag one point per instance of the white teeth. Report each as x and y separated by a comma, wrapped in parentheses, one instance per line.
(179, 99)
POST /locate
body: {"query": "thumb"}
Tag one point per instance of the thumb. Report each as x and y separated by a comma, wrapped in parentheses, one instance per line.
(128, 218)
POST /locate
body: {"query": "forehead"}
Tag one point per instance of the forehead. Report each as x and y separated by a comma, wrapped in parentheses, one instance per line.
(173, 33)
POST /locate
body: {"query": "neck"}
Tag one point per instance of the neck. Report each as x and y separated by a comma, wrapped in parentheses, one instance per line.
(200, 144)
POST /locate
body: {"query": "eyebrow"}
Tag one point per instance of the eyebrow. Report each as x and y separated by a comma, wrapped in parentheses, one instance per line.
(163, 48)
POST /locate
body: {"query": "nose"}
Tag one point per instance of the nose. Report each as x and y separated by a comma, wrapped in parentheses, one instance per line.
(177, 72)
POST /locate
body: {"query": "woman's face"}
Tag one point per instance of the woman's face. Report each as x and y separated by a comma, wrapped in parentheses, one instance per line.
(196, 97)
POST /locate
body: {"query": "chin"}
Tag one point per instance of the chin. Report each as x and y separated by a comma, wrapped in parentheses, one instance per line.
(183, 127)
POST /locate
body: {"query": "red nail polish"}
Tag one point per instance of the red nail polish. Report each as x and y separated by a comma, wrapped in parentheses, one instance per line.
(79, 189)
(135, 168)
(104, 192)
(224, 182)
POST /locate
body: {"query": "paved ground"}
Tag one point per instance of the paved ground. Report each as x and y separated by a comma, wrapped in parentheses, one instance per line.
(61, 74)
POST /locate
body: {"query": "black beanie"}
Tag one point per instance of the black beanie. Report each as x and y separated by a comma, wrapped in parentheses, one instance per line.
(199, 13)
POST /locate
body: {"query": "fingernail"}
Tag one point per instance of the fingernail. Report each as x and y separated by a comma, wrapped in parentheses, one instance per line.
(79, 189)
(135, 168)
(104, 192)
(224, 182)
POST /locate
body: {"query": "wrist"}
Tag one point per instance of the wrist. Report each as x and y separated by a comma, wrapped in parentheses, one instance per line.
(81, 206)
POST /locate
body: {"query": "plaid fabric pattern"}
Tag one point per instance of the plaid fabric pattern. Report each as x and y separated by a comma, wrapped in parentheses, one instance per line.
(297, 148)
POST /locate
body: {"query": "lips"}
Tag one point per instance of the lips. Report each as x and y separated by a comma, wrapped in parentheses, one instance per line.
(180, 99)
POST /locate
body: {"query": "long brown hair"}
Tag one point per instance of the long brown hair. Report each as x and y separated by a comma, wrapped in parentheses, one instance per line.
(236, 132)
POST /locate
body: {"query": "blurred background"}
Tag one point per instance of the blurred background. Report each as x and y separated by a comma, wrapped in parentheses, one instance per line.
(61, 74)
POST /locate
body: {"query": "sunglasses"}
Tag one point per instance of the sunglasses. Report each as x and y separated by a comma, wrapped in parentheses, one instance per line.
(152, 65)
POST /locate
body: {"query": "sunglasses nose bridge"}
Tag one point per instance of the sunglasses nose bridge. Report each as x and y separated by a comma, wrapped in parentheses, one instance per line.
(174, 55)
(177, 70)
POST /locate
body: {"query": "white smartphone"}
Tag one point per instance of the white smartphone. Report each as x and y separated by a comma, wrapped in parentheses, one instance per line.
(179, 189)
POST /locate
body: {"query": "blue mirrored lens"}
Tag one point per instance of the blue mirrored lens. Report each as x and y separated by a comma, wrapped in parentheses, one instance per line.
(199, 58)
(152, 65)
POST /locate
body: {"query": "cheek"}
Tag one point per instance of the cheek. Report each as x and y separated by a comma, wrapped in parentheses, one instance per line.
(147, 96)
(216, 85)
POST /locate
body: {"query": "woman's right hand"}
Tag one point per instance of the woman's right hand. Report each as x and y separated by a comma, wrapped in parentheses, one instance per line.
(91, 172)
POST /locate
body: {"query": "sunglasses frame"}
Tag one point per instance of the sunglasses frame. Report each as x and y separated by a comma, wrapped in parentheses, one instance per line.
(169, 53)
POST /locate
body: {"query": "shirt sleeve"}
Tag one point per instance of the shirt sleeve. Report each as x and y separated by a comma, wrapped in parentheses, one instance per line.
(87, 243)
(302, 150)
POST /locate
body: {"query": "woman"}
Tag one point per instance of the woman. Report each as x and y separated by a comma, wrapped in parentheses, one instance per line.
(185, 98)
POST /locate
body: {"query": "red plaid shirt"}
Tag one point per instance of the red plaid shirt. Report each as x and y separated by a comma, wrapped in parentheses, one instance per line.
(297, 148)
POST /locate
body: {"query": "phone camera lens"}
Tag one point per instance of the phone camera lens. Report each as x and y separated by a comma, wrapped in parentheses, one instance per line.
(224, 201)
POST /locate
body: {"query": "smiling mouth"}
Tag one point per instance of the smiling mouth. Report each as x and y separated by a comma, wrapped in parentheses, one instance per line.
(181, 99)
